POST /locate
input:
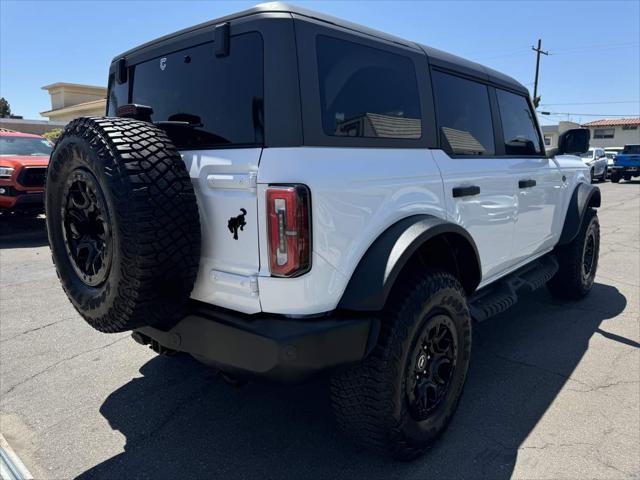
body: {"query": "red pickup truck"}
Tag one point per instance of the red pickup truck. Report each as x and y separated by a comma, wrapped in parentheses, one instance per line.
(23, 165)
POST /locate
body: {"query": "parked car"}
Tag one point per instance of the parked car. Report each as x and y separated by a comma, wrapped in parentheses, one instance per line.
(23, 164)
(626, 164)
(279, 192)
(596, 160)
(611, 153)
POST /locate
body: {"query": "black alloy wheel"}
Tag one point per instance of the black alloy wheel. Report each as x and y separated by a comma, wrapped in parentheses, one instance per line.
(589, 257)
(431, 366)
(85, 227)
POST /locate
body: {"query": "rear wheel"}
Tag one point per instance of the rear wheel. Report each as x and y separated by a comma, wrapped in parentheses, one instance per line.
(627, 178)
(615, 177)
(578, 261)
(123, 223)
(402, 397)
(603, 177)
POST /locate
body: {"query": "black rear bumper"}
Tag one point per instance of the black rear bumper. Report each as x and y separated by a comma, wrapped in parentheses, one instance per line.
(633, 170)
(277, 348)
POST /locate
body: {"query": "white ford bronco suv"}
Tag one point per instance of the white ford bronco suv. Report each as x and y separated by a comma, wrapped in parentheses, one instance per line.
(279, 193)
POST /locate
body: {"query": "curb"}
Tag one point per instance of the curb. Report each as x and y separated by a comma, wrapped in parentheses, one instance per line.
(11, 467)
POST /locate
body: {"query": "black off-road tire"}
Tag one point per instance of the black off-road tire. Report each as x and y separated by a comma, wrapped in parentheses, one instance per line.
(370, 399)
(573, 280)
(123, 223)
(615, 177)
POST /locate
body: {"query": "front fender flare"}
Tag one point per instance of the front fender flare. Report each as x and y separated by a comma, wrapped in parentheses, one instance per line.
(377, 271)
(584, 196)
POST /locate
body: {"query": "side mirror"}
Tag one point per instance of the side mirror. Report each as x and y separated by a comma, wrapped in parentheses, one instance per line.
(574, 141)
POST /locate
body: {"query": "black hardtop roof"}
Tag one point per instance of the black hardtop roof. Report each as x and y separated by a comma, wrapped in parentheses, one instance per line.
(436, 57)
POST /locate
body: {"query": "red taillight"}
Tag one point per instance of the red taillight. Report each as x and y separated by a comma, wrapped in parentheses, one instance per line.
(289, 224)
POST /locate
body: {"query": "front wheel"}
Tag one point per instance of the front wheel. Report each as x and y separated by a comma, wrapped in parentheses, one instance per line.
(578, 261)
(403, 395)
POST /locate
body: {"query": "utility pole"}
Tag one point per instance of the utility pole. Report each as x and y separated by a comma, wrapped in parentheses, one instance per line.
(536, 98)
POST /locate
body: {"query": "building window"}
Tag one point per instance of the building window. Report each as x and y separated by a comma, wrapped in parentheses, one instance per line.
(547, 140)
(603, 133)
(630, 127)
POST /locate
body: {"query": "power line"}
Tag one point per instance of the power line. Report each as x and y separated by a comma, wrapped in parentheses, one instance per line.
(589, 103)
(585, 114)
(562, 51)
(495, 52)
(503, 55)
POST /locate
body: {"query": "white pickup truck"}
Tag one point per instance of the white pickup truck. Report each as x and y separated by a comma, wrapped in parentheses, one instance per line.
(279, 192)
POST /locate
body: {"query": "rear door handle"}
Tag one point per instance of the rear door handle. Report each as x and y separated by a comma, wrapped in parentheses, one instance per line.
(526, 183)
(465, 191)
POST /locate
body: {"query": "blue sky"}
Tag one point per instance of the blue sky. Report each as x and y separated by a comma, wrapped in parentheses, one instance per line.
(594, 66)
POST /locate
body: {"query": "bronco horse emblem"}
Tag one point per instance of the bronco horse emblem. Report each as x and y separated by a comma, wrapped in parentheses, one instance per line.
(236, 223)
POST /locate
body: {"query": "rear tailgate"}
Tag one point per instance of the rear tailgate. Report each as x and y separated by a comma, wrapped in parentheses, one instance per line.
(212, 108)
(225, 184)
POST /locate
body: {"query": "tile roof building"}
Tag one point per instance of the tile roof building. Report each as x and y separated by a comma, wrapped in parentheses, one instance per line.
(614, 132)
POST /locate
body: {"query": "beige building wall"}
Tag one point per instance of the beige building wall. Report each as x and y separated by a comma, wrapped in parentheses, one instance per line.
(72, 100)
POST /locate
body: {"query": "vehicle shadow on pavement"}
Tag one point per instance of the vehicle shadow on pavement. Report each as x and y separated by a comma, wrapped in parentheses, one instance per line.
(22, 231)
(181, 421)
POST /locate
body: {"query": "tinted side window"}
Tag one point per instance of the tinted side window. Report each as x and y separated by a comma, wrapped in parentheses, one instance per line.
(519, 129)
(464, 114)
(213, 101)
(367, 92)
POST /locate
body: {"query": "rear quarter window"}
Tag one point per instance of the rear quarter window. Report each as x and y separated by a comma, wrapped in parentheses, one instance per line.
(367, 92)
(210, 101)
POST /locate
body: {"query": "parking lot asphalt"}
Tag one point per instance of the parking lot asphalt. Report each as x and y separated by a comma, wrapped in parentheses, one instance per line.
(553, 389)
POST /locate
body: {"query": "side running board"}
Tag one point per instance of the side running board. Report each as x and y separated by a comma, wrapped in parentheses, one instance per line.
(498, 297)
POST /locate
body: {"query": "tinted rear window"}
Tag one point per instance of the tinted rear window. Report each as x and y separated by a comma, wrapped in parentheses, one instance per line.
(367, 92)
(631, 150)
(464, 114)
(221, 98)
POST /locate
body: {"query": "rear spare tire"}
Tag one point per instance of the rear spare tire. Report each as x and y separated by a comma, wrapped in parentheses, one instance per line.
(123, 223)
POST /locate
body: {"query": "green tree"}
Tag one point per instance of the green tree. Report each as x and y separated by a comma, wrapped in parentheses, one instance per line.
(53, 135)
(5, 108)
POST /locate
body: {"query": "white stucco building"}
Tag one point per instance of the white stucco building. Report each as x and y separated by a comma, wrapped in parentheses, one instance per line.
(614, 133)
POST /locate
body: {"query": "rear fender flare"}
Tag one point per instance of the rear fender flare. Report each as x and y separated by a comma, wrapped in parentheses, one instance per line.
(381, 265)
